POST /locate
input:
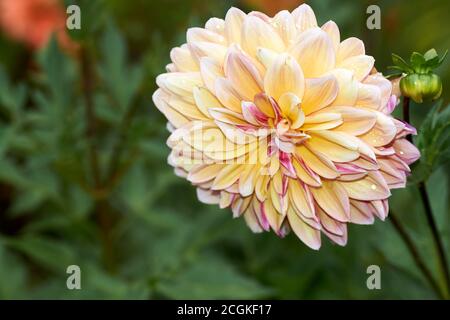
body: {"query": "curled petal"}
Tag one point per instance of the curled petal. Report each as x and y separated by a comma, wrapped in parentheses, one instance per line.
(333, 199)
(360, 65)
(216, 25)
(183, 60)
(208, 196)
(382, 133)
(406, 150)
(348, 88)
(372, 187)
(349, 48)
(204, 35)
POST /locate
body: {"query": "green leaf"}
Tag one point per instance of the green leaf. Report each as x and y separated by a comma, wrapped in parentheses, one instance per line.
(442, 58)
(52, 254)
(434, 61)
(12, 98)
(11, 173)
(121, 80)
(417, 60)
(394, 75)
(434, 138)
(212, 278)
(401, 64)
(13, 275)
(59, 74)
(430, 54)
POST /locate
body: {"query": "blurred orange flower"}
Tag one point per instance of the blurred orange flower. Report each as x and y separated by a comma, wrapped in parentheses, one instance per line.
(34, 21)
(271, 7)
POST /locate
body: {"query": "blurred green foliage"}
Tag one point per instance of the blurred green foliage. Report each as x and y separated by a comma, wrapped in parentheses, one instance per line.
(84, 178)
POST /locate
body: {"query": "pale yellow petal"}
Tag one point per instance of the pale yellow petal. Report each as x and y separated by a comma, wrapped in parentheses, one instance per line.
(216, 25)
(305, 174)
(283, 76)
(383, 84)
(360, 65)
(205, 100)
(252, 220)
(314, 52)
(243, 75)
(304, 18)
(301, 198)
(207, 196)
(234, 20)
(189, 110)
(227, 176)
(210, 71)
(307, 234)
(331, 150)
(350, 47)
(360, 212)
(227, 116)
(369, 96)
(247, 180)
(317, 162)
(226, 94)
(319, 93)
(372, 187)
(183, 59)
(332, 30)
(204, 35)
(203, 173)
(174, 117)
(329, 224)
(333, 199)
(285, 25)
(266, 56)
(215, 51)
(382, 133)
(258, 33)
(180, 83)
(348, 88)
(355, 121)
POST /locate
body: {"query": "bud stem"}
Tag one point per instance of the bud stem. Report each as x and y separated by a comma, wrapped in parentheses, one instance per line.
(429, 212)
(406, 115)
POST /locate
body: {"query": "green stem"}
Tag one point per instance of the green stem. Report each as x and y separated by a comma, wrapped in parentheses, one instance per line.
(429, 212)
(406, 115)
(435, 232)
(102, 216)
(415, 254)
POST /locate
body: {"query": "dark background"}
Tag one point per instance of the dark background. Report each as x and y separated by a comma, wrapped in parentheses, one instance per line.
(135, 229)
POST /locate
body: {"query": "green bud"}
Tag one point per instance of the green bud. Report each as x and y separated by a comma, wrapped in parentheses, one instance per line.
(420, 82)
(421, 87)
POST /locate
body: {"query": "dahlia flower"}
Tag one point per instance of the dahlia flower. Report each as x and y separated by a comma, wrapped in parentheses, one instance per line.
(34, 21)
(280, 120)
